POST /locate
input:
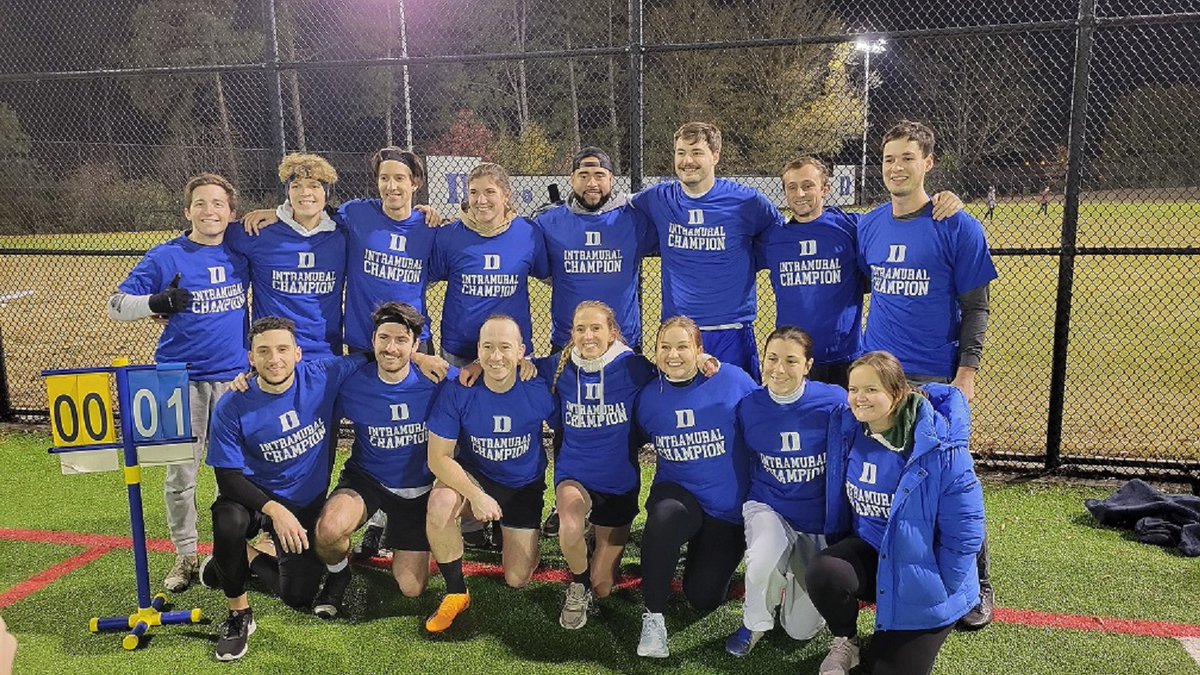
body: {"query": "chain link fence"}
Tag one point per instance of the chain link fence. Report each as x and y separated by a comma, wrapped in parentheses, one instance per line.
(1079, 114)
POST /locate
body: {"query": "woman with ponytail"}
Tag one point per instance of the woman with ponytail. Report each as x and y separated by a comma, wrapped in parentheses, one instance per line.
(595, 378)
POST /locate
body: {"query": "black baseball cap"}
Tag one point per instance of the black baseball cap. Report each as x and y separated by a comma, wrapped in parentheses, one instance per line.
(595, 153)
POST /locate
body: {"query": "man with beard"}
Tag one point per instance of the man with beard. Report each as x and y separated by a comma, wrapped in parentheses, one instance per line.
(387, 403)
(271, 448)
(595, 243)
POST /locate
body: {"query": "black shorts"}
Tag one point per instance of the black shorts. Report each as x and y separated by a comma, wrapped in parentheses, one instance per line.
(521, 508)
(611, 510)
(405, 517)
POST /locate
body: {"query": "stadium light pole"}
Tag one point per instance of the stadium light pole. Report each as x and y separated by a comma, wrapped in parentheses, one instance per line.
(408, 123)
(867, 47)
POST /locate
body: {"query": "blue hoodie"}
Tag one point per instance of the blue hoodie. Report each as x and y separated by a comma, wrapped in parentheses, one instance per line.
(927, 574)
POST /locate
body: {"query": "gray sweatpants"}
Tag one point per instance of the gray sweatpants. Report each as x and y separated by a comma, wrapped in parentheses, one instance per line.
(180, 485)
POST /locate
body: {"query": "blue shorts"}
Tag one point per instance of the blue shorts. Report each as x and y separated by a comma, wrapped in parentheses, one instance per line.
(734, 346)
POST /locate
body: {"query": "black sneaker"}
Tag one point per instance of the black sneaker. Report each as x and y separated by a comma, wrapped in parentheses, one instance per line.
(209, 576)
(550, 527)
(485, 539)
(234, 635)
(980, 615)
(329, 601)
(369, 545)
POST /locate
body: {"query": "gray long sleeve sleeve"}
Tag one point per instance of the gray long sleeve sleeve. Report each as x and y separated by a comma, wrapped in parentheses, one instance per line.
(126, 307)
(975, 306)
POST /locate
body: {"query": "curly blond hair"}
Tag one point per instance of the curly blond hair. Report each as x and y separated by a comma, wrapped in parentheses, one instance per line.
(300, 165)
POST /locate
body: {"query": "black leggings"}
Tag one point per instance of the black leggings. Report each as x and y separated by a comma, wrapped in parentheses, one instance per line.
(714, 549)
(837, 579)
(293, 577)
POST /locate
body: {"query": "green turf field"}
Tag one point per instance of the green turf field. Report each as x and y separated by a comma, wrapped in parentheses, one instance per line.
(1133, 319)
(1047, 557)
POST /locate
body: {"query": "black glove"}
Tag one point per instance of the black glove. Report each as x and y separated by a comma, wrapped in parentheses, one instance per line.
(171, 301)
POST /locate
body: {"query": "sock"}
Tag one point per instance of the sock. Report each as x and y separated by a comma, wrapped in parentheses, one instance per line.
(584, 577)
(453, 574)
(334, 569)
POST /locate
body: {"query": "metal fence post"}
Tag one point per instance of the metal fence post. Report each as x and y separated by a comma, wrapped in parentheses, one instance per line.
(637, 113)
(6, 413)
(274, 81)
(1066, 261)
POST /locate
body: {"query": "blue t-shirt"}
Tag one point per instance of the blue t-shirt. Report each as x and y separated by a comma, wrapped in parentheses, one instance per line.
(283, 443)
(211, 333)
(818, 286)
(389, 425)
(498, 435)
(694, 432)
(918, 268)
(707, 248)
(485, 276)
(595, 257)
(300, 278)
(787, 442)
(386, 261)
(872, 474)
(599, 446)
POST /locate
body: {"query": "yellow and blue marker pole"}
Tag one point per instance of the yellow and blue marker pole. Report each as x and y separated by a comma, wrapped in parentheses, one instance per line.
(149, 611)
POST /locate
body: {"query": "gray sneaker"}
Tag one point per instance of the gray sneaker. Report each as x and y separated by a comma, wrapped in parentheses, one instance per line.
(575, 607)
(180, 576)
(654, 637)
(843, 656)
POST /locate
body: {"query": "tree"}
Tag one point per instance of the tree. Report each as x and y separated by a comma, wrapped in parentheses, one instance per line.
(195, 32)
(26, 202)
(984, 96)
(783, 102)
(1150, 139)
(467, 136)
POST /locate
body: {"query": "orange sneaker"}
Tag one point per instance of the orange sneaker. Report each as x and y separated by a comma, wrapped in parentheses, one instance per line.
(452, 605)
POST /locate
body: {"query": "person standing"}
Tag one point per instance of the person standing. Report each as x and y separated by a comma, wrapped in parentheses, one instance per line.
(196, 286)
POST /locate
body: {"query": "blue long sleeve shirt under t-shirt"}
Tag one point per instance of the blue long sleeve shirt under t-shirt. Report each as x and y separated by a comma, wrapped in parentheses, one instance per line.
(485, 276)
(693, 429)
(788, 443)
(817, 282)
(499, 435)
(386, 261)
(707, 249)
(918, 269)
(210, 334)
(283, 442)
(298, 277)
(595, 256)
(599, 443)
(389, 421)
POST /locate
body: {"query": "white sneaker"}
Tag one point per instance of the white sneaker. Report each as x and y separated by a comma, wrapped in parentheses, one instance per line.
(576, 606)
(654, 637)
(843, 656)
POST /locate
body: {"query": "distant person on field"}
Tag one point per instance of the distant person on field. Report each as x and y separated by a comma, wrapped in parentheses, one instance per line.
(1044, 201)
(196, 286)
(991, 203)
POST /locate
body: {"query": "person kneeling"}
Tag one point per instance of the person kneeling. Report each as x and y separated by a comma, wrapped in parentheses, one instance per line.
(499, 474)
(904, 511)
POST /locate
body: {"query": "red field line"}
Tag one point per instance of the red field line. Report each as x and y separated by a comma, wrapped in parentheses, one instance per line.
(91, 540)
(48, 576)
(97, 545)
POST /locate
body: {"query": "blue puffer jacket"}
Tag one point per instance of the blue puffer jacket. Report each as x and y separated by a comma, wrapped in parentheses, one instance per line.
(927, 572)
